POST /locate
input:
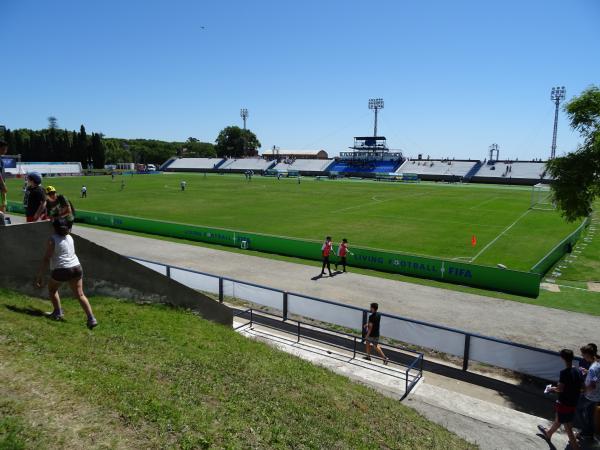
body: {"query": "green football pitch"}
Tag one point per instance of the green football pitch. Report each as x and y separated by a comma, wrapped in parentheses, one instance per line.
(427, 219)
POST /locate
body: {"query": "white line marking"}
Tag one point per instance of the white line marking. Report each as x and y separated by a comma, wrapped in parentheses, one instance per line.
(484, 202)
(500, 235)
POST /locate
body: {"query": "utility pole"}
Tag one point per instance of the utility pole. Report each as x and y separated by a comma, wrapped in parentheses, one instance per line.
(244, 115)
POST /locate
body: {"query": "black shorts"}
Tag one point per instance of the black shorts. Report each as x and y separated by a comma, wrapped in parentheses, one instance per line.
(68, 274)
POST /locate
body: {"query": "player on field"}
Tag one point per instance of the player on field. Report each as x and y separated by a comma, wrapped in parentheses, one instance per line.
(83, 191)
(183, 184)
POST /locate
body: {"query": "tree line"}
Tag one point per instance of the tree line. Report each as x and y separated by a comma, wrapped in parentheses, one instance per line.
(95, 150)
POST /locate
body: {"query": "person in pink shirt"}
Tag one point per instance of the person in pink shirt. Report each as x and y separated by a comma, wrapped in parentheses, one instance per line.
(342, 254)
(326, 250)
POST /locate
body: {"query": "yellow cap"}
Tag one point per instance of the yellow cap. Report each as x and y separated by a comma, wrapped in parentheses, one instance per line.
(50, 189)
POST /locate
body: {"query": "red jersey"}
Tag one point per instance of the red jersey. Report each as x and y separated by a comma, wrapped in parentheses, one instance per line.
(327, 248)
(343, 250)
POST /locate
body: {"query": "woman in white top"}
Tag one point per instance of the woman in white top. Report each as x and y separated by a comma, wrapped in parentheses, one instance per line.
(65, 268)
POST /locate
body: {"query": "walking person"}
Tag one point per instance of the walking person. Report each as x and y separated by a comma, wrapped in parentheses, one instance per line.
(591, 392)
(83, 191)
(65, 268)
(342, 254)
(568, 389)
(372, 334)
(183, 184)
(326, 250)
(34, 199)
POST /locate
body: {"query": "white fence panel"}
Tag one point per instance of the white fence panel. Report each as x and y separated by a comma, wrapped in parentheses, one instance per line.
(325, 312)
(160, 268)
(198, 281)
(531, 362)
(423, 335)
(261, 296)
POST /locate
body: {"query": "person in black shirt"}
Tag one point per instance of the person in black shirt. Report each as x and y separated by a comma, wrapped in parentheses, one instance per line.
(372, 334)
(34, 200)
(568, 389)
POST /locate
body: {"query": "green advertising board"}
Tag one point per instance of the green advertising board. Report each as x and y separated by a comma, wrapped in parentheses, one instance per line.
(511, 281)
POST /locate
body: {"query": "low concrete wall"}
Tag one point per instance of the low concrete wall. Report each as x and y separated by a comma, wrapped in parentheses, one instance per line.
(105, 273)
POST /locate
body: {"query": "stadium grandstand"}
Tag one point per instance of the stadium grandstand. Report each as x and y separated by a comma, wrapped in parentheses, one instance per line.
(305, 166)
(441, 169)
(192, 164)
(512, 172)
(369, 156)
(18, 169)
(243, 164)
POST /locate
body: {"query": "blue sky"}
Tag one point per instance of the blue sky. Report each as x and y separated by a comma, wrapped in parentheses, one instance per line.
(455, 76)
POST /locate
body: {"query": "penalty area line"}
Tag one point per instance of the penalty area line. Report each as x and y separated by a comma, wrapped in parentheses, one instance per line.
(499, 236)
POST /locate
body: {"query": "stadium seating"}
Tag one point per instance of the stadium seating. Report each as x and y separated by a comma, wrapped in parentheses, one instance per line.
(363, 167)
(512, 172)
(191, 164)
(438, 170)
(306, 166)
(47, 168)
(242, 164)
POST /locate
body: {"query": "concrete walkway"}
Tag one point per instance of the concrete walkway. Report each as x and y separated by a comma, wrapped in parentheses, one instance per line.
(528, 324)
(488, 424)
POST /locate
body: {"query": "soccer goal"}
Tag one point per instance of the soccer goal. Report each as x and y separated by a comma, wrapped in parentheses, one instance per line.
(541, 197)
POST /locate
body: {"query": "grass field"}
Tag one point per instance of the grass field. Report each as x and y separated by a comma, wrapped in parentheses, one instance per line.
(155, 377)
(427, 219)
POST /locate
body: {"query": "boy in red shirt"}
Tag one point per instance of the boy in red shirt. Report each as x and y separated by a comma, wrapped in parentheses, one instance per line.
(342, 253)
(325, 252)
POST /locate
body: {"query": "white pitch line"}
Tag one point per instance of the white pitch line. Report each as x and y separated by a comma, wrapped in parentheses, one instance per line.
(499, 236)
(484, 202)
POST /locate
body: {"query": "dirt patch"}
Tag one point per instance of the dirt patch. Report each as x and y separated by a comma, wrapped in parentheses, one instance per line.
(593, 286)
(550, 287)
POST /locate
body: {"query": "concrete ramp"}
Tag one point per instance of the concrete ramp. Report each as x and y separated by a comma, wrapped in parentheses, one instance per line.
(105, 273)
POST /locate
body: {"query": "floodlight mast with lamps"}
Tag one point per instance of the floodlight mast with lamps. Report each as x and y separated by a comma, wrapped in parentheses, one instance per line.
(244, 115)
(557, 95)
(376, 104)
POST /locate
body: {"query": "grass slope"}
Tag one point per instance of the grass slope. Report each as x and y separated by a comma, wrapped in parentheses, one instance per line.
(174, 380)
(427, 219)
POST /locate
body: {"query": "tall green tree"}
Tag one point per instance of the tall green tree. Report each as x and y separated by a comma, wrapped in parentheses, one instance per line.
(193, 148)
(577, 175)
(235, 142)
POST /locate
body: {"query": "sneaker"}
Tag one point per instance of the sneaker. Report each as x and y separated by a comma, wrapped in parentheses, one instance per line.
(368, 358)
(55, 315)
(92, 322)
(386, 361)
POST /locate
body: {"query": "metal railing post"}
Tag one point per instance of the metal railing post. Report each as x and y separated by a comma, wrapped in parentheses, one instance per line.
(220, 290)
(362, 325)
(168, 271)
(298, 332)
(285, 306)
(251, 317)
(354, 353)
(466, 352)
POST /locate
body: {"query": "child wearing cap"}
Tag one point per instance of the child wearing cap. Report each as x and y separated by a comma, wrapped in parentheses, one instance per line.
(58, 206)
(34, 200)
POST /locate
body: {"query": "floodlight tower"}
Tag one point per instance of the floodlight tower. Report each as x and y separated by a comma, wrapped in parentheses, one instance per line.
(494, 151)
(244, 115)
(375, 104)
(557, 95)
